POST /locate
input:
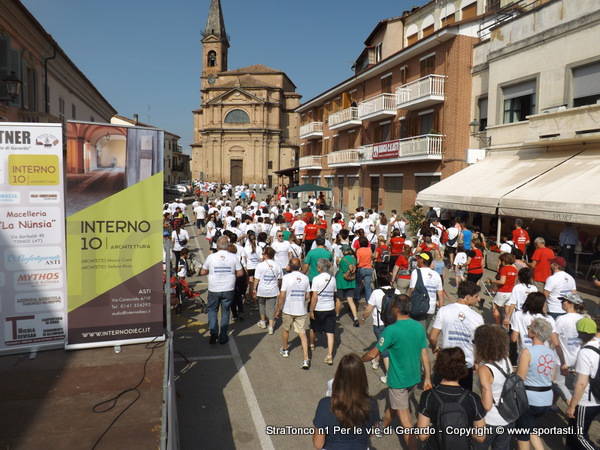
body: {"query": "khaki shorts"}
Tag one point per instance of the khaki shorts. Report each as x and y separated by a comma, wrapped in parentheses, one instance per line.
(300, 323)
(400, 398)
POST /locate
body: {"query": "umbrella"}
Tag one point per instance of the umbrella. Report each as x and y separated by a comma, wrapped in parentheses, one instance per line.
(308, 188)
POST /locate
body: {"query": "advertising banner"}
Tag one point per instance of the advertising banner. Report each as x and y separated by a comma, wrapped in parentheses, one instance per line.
(32, 254)
(385, 150)
(114, 178)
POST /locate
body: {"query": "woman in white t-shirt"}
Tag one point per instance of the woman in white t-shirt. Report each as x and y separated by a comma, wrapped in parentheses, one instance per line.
(296, 248)
(253, 253)
(322, 307)
(491, 356)
(568, 337)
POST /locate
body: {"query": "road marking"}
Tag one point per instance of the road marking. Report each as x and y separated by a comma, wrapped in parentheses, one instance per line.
(257, 417)
(202, 358)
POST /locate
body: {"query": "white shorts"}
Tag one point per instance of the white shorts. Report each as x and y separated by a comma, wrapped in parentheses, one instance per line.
(501, 298)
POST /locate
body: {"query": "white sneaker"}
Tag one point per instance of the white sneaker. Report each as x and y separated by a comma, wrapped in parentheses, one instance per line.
(306, 364)
(261, 324)
(270, 330)
(375, 364)
(284, 352)
(383, 379)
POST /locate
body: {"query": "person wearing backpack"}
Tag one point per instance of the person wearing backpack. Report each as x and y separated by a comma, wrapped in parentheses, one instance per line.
(494, 369)
(457, 323)
(379, 307)
(584, 406)
(345, 279)
(450, 405)
(425, 290)
(537, 366)
(406, 342)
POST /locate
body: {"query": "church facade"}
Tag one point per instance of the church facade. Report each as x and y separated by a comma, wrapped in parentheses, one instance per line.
(246, 128)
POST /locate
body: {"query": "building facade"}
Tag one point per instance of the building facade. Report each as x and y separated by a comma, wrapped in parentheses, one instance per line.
(536, 113)
(246, 128)
(177, 167)
(401, 123)
(50, 86)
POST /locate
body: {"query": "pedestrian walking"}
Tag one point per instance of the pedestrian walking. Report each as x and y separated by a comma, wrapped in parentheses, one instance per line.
(322, 307)
(267, 275)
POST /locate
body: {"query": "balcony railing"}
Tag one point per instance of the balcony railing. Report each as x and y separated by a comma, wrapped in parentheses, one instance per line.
(379, 107)
(313, 130)
(341, 158)
(310, 162)
(346, 118)
(427, 146)
(421, 93)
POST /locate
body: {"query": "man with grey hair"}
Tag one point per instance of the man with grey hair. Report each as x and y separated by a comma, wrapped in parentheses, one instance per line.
(322, 307)
(292, 303)
(222, 268)
(540, 263)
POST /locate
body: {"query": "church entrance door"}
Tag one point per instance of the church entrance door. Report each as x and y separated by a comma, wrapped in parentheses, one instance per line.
(236, 171)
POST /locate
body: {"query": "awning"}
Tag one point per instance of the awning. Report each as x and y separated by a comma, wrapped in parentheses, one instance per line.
(309, 188)
(479, 187)
(568, 193)
(288, 172)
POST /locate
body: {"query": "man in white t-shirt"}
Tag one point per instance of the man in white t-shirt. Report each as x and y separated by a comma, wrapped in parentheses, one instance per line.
(200, 213)
(298, 227)
(266, 288)
(179, 241)
(457, 323)
(559, 284)
(584, 407)
(222, 269)
(452, 243)
(292, 303)
(282, 250)
(433, 284)
(566, 329)
(322, 307)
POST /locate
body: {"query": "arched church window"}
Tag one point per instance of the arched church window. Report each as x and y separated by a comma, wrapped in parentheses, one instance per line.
(212, 58)
(237, 116)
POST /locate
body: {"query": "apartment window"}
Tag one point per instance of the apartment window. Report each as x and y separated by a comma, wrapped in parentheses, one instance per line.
(10, 61)
(378, 52)
(427, 123)
(424, 181)
(73, 112)
(449, 20)
(61, 108)
(428, 65)
(519, 101)
(386, 85)
(482, 107)
(428, 31)
(403, 74)
(270, 165)
(470, 11)
(410, 40)
(586, 84)
(384, 132)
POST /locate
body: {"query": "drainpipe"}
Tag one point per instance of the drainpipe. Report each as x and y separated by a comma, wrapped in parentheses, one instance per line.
(46, 93)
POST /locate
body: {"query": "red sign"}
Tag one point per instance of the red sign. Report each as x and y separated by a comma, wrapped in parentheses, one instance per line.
(385, 150)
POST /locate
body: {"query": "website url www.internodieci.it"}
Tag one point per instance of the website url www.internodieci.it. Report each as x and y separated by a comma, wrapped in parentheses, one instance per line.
(125, 331)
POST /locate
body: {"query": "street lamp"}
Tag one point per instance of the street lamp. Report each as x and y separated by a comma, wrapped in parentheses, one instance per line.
(12, 86)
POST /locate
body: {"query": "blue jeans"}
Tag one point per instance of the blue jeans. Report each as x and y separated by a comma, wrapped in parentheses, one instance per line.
(215, 300)
(363, 277)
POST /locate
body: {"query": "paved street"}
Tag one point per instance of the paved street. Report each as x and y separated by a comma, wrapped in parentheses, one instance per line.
(228, 394)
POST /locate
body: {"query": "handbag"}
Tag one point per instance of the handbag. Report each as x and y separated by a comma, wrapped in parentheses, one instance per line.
(350, 274)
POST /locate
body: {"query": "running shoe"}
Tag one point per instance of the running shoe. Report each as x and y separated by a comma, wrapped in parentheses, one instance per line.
(328, 360)
(261, 324)
(284, 352)
(306, 364)
(270, 330)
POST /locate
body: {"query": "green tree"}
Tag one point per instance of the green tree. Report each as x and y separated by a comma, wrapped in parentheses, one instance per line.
(414, 217)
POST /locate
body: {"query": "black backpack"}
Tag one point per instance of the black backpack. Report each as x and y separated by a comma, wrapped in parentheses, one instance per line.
(595, 380)
(419, 300)
(452, 414)
(387, 314)
(513, 401)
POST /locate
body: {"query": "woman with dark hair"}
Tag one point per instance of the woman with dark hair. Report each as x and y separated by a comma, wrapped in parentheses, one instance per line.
(451, 366)
(396, 247)
(519, 293)
(475, 262)
(491, 357)
(505, 282)
(348, 410)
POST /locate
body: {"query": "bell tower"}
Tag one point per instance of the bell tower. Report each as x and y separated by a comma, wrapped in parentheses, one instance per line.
(215, 45)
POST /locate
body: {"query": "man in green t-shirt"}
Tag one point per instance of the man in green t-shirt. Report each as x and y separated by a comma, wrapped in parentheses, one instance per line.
(406, 342)
(313, 256)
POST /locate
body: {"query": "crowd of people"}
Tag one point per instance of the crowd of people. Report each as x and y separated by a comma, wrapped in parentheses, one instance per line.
(303, 270)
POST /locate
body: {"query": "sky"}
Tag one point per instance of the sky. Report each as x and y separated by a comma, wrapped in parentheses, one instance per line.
(144, 55)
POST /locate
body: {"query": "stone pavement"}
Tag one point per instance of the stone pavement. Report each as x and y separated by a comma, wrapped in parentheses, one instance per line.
(228, 394)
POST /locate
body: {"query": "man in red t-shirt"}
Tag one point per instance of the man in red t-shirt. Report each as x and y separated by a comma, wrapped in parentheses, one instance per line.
(520, 236)
(311, 231)
(540, 263)
(288, 216)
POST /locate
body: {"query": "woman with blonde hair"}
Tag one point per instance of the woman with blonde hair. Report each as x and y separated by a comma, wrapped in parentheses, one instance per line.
(342, 420)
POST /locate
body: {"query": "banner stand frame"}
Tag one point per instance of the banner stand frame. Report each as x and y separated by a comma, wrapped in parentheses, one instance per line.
(114, 343)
